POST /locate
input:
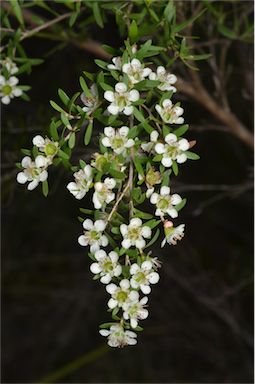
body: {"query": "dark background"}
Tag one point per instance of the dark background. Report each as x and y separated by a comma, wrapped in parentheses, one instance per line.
(200, 327)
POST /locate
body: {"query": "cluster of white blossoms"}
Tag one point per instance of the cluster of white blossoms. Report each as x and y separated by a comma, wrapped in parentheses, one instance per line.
(37, 171)
(8, 83)
(113, 182)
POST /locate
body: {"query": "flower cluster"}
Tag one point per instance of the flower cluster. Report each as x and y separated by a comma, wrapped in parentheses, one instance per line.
(37, 171)
(9, 87)
(139, 147)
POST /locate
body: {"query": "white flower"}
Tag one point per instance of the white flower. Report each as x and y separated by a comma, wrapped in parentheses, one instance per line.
(117, 139)
(118, 337)
(173, 234)
(134, 234)
(9, 89)
(143, 276)
(165, 202)
(9, 65)
(120, 294)
(117, 64)
(173, 149)
(134, 310)
(34, 171)
(83, 180)
(166, 79)
(103, 192)
(93, 235)
(90, 102)
(170, 113)
(107, 266)
(49, 147)
(121, 99)
(149, 146)
(135, 71)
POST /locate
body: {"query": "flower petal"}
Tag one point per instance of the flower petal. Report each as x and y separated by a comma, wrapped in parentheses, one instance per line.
(100, 225)
(109, 96)
(88, 224)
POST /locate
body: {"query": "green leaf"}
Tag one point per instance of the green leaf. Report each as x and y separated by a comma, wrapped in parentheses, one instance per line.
(97, 14)
(54, 131)
(169, 11)
(180, 27)
(179, 206)
(144, 85)
(88, 133)
(157, 158)
(138, 115)
(84, 87)
(86, 211)
(17, 10)
(154, 239)
(56, 106)
(106, 325)
(73, 18)
(63, 154)
(133, 32)
(152, 223)
(65, 120)
(101, 63)
(71, 102)
(115, 230)
(225, 31)
(117, 174)
(45, 188)
(142, 215)
(175, 168)
(166, 130)
(181, 130)
(148, 128)
(192, 155)
(138, 166)
(63, 96)
(26, 152)
(106, 87)
(166, 177)
(71, 140)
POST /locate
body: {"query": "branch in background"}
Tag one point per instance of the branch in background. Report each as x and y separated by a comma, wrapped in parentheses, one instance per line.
(199, 93)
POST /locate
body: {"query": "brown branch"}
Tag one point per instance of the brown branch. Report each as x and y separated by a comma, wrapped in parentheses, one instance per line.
(197, 91)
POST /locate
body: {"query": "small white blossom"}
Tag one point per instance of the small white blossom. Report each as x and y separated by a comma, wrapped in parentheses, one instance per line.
(9, 89)
(103, 192)
(173, 234)
(134, 310)
(173, 149)
(34, 171)
(90, 102)
(49, 147)
(120, 294)
(165, 202)
(121, 100)
(149, 146)
(9, 65)
(134, 234)
(170, 113)
(117, 139)
(83, 181)
(117, 64)
(166, 79)
(93, 235)
(118, 337)
(143, 276)
(135, 71)
(107, 266)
